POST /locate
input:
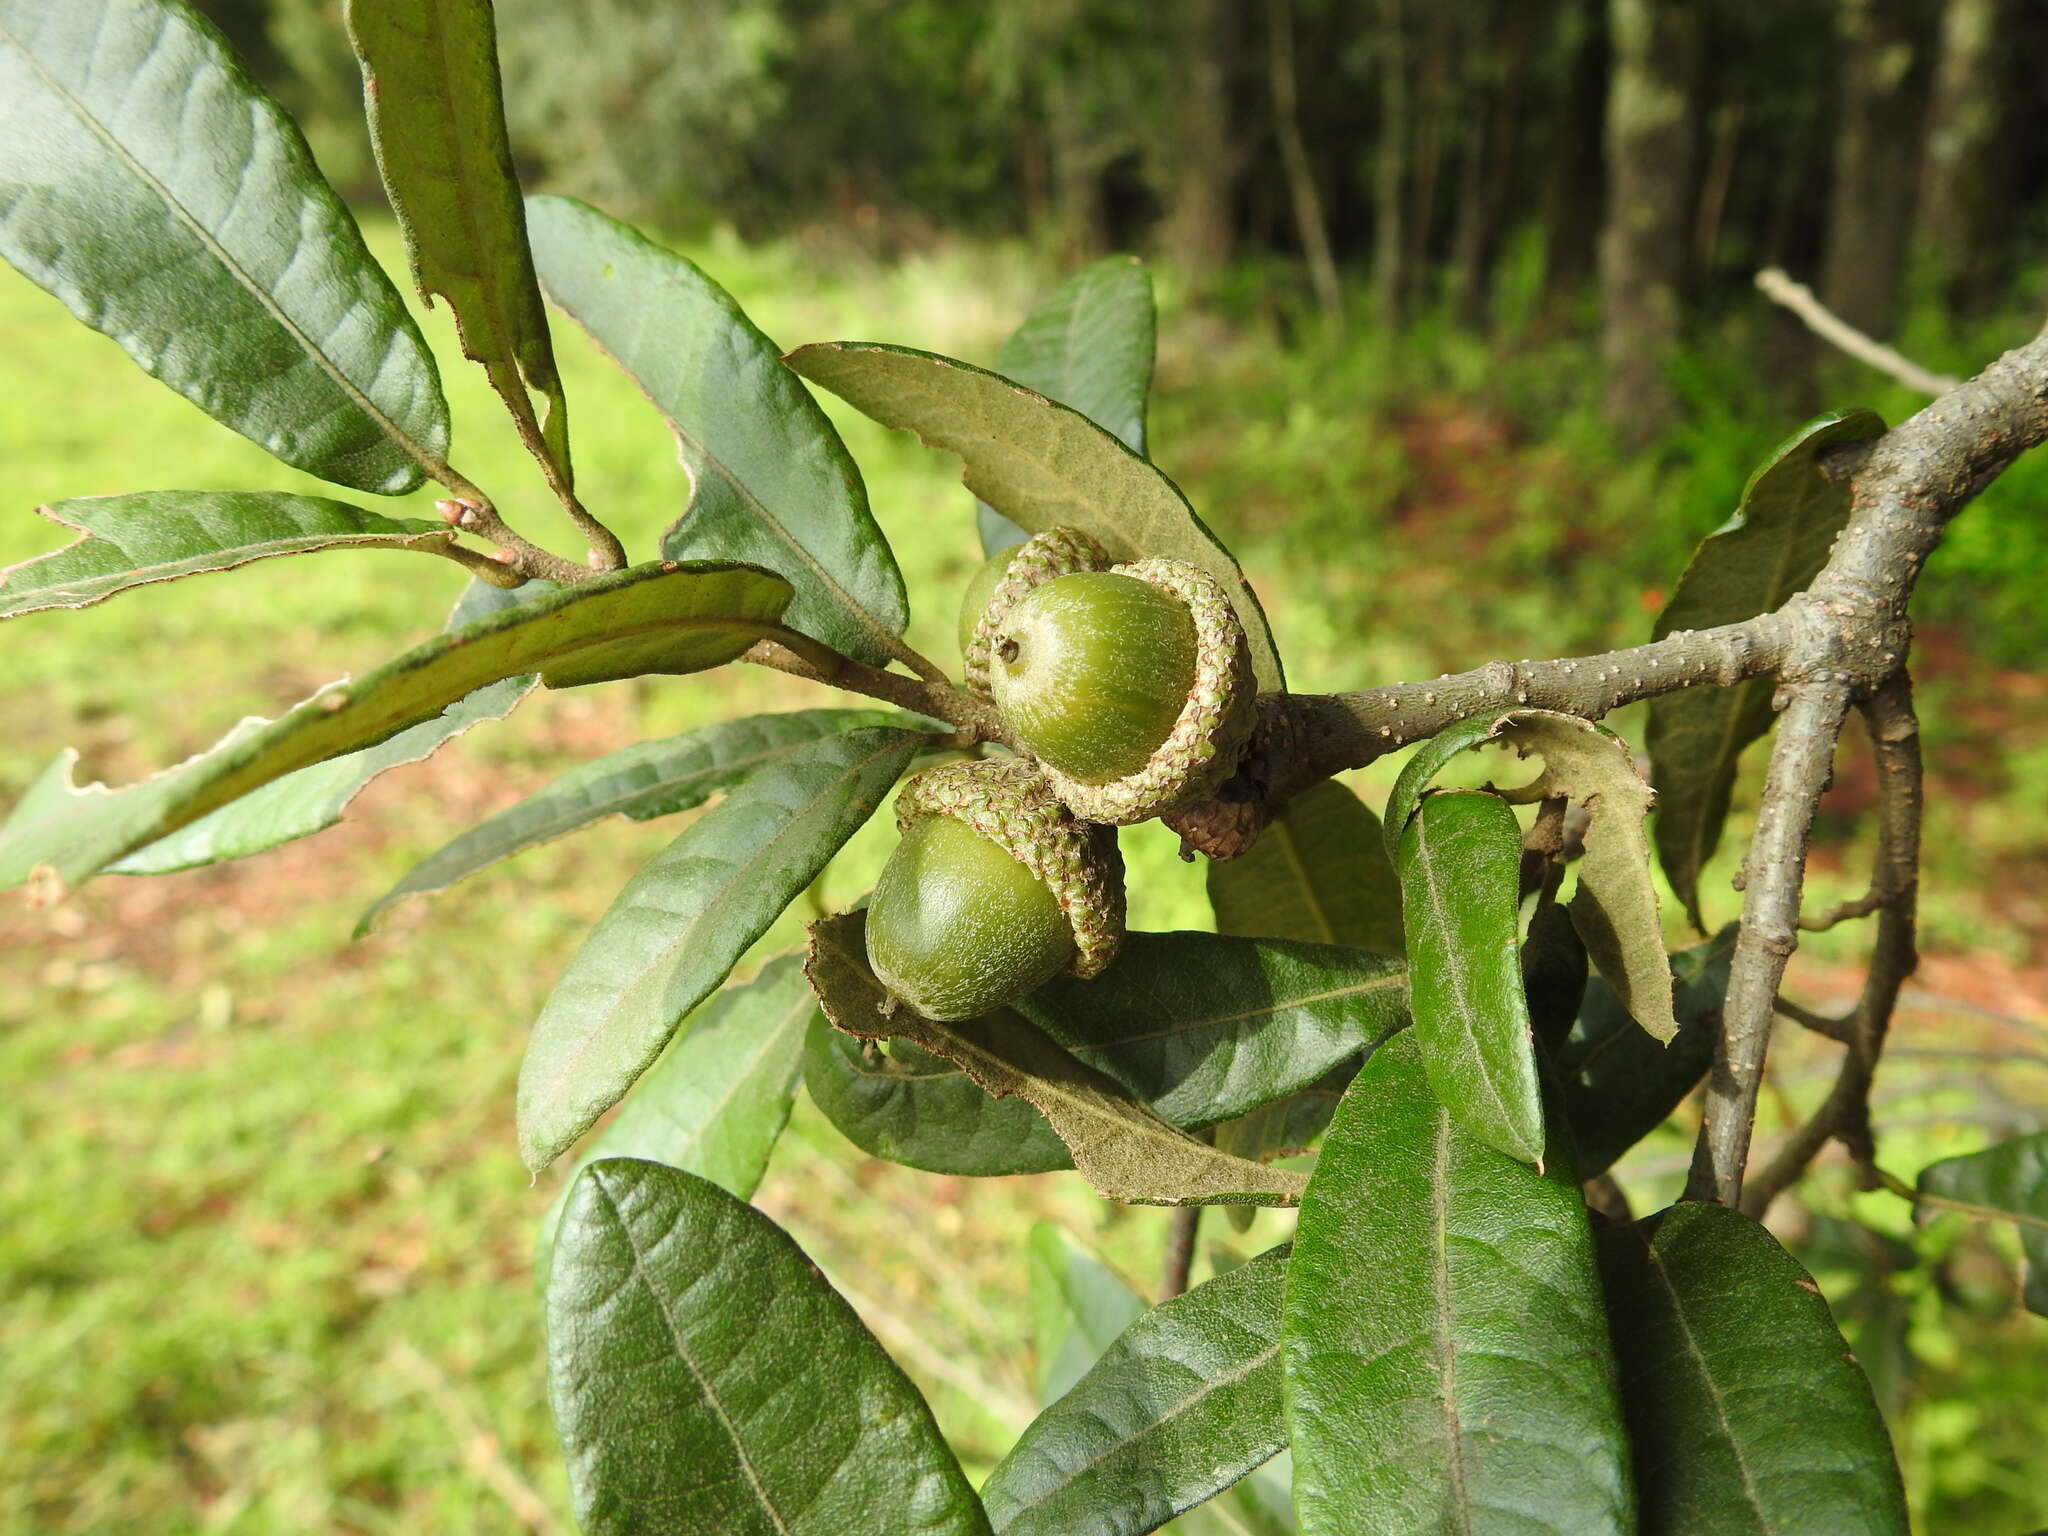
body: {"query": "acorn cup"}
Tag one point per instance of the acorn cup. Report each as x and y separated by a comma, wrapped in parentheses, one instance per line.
(995, 889)
(1132, 687)
(1009, 574)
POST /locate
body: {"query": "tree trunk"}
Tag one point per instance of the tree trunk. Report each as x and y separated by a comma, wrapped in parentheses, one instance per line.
(1301, 182)
(1080, 221)
(1390, 164)
(1574, 157)
(1495, 93)
(1875, 144)
(1643, 240)
(1200, 233)
(1958, 217)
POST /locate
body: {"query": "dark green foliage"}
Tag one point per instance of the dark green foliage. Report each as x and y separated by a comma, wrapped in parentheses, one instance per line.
(1182, 1404)
(1771, 547)
(1746, 1410)
(131, 140)
(2008, 1180)
(707, 1380)
(1445, 1345)
(680, 925)
(1459, 862)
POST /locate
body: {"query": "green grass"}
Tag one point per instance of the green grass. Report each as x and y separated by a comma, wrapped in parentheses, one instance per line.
(263, 1241)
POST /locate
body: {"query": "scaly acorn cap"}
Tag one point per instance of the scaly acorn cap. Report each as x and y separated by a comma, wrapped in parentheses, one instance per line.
(1008, 801)
(1041, 558)
(1214, 727)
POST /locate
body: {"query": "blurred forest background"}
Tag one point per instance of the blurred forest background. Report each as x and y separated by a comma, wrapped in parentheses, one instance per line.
(1461, 352)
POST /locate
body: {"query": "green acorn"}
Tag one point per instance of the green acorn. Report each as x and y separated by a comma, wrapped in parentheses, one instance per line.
(1009, 574)
(1132, 687)
(994, 890)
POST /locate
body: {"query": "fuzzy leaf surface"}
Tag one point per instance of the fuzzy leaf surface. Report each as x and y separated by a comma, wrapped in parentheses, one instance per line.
(1615, 905)
(1619, 1084)
(675, 932)
(717, 1100)
(1748, 1415)
(151, 185)
(914, 1108)
(150, 536)
(643, 781)
(1078, 1307)
(1119, 1145)
(2009, 1181)
(1460, 861)
(1319, 872)
(706, 1380)
(437, 121)
(1444, 1339)
(313, 799)
(1089, 345)
(1183, 1403)
(770, 481)
(1772, 547)
(1040, 464)
(649, 619)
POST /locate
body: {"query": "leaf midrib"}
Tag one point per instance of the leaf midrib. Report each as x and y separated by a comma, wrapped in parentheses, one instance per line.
(1660, 1272)
(1453, 973)
(429, 463)
(675, 1333)
(1440, 1317)
(1208, 1385)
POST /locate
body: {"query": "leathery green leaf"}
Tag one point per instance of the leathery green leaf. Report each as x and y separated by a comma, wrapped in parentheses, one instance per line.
(1747, 1412)
(1772, 547)
(717, 1100)
(1619, 1084)
(313, 799)
(1447, 1368)
(643, 781)
(707, 1381)
(151, 185)
(1119, 1145)
(150, 536)
(2008, 1182)
(437, 120)
(1090, 345)
(661, 618)
(1460, 860)
(1319, 872)
(770, 481)
(1040, 464)
(912, 1107)
(681, 924)
(1184, 1402)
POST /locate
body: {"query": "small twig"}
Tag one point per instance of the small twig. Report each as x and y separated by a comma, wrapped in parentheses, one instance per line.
(1845, 911)
(1845, 1114)
(480, 1446)
(1800, 762)
(1839, 1030)
(1831, 328)
(1609, 1199)
(471, 511)
(482, 566)
(801, 656)
(1180, 1251)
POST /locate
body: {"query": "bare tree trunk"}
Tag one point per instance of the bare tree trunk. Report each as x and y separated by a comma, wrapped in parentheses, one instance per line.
(1875, 142)
(1201, 230)
(1958, 212)
(1575, 157)
(1079, 219)
(1643, 240)
(1495, 95)
(1437, 44)
(1715, 184)
(1301, 182)
(1390, 164)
